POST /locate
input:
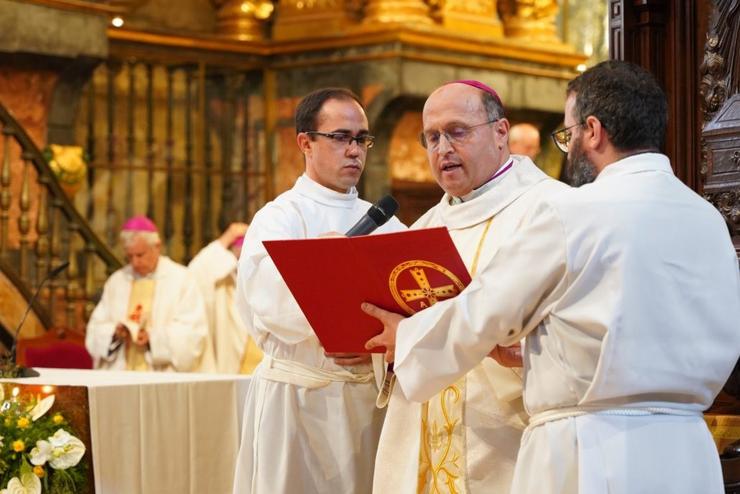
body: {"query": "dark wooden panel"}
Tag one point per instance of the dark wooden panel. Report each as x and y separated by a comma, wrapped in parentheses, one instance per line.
(666, 37)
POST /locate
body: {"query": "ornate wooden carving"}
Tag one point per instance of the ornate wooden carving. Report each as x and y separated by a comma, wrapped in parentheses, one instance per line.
(722, 185)
(720, 91)
(5, 191)
(727, 27)
(713, 85)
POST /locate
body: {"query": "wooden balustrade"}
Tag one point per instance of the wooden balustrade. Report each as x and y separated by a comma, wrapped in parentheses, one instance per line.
(49, 231)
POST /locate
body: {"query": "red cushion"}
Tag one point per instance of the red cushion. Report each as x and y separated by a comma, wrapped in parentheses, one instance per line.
(61, 354)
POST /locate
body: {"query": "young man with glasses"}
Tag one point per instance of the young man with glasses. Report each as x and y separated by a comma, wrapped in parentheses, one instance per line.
(465, 438)
(310, 422)
(627, 290)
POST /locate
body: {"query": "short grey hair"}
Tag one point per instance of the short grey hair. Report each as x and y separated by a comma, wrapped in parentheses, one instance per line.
(493, 107)
(128, 236)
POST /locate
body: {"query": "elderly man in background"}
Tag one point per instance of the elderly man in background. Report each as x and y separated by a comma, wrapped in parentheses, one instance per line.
(310, 421)
(628, 292)
(151, 315)
(465, 439)
(524, 139)
(214, 268)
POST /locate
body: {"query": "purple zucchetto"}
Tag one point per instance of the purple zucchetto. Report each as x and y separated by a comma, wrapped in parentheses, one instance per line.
(139, 223)
(479, 85)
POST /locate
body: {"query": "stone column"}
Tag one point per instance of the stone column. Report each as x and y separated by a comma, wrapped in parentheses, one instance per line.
(45, 57)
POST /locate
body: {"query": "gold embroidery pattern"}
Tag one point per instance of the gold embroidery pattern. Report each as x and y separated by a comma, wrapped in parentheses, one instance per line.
(425, 294)
(441, 456)
(441, 465)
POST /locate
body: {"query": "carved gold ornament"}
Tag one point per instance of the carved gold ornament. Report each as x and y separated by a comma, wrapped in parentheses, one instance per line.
(68, 164)
(243, 19)
(532, 19)
(413, 12)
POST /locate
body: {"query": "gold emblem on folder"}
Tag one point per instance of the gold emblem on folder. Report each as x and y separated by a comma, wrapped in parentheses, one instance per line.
(418, 284)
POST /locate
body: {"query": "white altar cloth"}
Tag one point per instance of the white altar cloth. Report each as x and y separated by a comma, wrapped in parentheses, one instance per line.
(157, 432)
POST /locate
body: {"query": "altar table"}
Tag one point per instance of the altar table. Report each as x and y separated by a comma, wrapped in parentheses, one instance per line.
(156, 432)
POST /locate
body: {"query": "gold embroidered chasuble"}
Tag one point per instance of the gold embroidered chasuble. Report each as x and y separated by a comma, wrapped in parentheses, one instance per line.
(442, 453)
(470, 432)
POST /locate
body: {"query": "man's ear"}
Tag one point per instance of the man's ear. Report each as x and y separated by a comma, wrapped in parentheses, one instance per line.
(501, 129)
(304, 142)
(595, 133)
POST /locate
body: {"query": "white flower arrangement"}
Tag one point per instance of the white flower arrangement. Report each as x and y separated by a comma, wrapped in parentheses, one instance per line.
(38, 452)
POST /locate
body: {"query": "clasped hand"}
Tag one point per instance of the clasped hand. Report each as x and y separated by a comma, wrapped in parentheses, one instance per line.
(510, 356)
(122, 334)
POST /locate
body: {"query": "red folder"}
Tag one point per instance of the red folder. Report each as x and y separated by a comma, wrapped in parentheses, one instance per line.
(402, 272)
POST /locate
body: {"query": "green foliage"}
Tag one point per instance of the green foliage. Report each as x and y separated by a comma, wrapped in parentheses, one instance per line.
(19, 438)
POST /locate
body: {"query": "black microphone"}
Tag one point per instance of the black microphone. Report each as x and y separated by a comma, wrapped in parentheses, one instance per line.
(376, 216)
(12, 360)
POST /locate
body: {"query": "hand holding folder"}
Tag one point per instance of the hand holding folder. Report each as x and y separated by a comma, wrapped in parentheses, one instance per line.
(402, 272)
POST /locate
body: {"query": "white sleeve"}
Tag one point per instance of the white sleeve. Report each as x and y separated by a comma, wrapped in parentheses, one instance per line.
(182, 340)
(102, 325)
(213, 263)
(263, 299)
(509, 298)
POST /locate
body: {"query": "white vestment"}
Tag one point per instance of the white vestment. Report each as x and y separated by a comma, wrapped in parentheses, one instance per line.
(310, 426)
(177, 325)
(472, 429)
(214, 268)
(628, 292)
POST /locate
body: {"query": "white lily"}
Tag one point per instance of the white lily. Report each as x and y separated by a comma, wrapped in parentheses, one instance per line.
(42, 407)
(67, 450)
(41, 453)
(29, 483)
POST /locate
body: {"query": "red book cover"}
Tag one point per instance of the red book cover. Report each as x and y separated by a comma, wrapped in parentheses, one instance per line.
(402, 272)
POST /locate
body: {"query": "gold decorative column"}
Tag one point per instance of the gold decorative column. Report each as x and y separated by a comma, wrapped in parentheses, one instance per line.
(530, 19)
(243, 19)
(478, 17)
(410, 12)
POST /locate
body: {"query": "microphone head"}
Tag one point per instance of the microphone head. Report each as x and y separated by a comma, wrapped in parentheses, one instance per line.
(388, 205)
(383, 210)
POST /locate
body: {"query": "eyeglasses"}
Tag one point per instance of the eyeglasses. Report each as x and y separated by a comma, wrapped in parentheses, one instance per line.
(454, 135)
(362, 140)
(562, 137)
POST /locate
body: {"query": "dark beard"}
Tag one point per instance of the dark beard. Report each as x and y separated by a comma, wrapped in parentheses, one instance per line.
(579, 170)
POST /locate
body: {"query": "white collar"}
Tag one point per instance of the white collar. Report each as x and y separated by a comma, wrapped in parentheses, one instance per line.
(637, 163)
(311, 189)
